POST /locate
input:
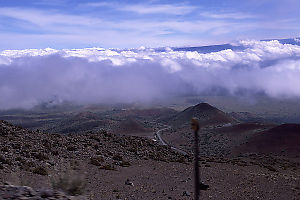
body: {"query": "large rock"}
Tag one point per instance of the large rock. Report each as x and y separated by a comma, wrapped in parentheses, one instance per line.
(24, 192)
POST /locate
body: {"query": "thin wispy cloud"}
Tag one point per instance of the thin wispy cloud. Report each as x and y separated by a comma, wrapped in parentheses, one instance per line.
(99, 4)
(161, 9)
(167, 9)
(46, 18)
(51, 3)
(237, 16)
(64, 27)
(130, 24)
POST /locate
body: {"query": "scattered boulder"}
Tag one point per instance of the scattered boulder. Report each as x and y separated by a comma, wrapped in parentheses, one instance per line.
(128, 182)
(23, 192)
(186, 193)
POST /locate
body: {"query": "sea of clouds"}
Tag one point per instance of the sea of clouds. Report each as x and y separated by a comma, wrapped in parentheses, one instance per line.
(96, 75)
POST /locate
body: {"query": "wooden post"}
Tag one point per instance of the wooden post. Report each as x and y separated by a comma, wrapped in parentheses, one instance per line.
(195, 127)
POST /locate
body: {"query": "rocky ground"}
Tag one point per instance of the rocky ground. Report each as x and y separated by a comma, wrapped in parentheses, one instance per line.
(104, 166)
(215, 141)
(8, 191)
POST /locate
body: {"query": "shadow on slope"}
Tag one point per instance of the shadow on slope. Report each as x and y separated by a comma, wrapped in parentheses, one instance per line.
(282, 140)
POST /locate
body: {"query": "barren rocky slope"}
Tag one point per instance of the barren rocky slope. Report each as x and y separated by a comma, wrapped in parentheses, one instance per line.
(27, 154)
(105, 166)
(222, 135)
(281, 140)
(30, 150)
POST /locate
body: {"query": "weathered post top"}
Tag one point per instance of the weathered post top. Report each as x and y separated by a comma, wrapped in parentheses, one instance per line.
(195, 124)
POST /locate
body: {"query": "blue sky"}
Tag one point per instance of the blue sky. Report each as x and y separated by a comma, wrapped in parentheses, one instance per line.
(125, 24)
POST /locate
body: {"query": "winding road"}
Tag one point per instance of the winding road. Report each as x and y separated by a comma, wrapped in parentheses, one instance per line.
(157, 135)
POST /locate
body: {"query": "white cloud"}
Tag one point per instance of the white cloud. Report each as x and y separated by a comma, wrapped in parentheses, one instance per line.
(64, 24)
(49, 28)
(159, 9)
(96, 75)
(46, 18)
(228, 15)
(100, 4)
(54, 28)
(68, 24)
(171, 9)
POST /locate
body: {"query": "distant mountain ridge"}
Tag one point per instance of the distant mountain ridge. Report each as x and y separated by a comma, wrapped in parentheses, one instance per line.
(114, 52)
(221, 47)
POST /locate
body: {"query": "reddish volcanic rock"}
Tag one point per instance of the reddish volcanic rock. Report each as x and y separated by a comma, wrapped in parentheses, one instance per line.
(279, 140)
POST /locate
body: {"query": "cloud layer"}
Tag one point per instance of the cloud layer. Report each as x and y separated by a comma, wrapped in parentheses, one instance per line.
(95, 75)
